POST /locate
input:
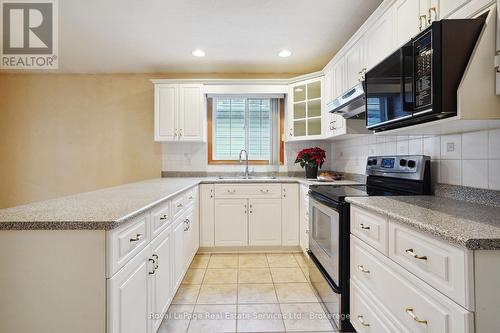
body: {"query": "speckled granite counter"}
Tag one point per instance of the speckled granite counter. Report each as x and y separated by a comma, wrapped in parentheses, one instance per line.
(474, 226)
(108, 208)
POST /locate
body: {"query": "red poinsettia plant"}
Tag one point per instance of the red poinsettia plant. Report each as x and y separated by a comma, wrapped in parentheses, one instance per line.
(311, 157)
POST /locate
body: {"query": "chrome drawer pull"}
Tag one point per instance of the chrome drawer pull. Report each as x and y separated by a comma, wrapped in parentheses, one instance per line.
(164, 217)
(364, 227)
(414, 255)
(360, 319)
(409, 311)
(180, 205)
(264, 191)
(136, 238)
(363, 269)
(190, 197)
(231, 191)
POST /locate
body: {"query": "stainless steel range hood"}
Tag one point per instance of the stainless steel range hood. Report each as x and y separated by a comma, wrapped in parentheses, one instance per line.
(350, 104)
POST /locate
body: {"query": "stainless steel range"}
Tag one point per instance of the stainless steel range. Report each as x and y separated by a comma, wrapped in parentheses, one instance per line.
(329, 224)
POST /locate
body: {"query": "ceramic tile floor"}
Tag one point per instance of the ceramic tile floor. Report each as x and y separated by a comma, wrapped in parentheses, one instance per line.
(246, 293)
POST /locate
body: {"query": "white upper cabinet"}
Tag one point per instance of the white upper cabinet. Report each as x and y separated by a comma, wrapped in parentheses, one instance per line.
(354, 64)
(406, 13)
(305, 110)
(179, 112)
(379, 40)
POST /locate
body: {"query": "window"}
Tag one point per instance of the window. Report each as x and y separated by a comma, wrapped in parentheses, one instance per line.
(248, 123)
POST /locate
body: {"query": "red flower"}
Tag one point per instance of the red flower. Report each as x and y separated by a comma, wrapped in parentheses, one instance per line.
(311, 156)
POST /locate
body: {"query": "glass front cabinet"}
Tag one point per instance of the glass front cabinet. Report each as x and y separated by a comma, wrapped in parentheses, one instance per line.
(305, 109)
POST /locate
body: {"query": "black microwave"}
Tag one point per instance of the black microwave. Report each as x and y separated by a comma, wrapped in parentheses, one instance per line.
(419, 82)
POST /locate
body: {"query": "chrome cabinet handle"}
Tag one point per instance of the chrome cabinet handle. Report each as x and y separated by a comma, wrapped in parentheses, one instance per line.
(363, 269)
(180, 205)
(190, 197)
(154, 266)
(180, 132)
(432, 10)
(414, 255)
(264, 190)
(164, 217)
(361, 320)
(175, 132)
(186, 222)
(410, 312)
(231, 191)
(136, 238)
(307, 231)
(364, 227)
(155, 256)
(420, 25)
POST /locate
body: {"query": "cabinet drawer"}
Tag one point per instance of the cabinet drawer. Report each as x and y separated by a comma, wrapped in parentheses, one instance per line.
(369, 227)
(178, 205)
(416, 305)
(160, 219)
(248, 190)
(191, 196)
(367, 314)
(125, 242)
(442, 265)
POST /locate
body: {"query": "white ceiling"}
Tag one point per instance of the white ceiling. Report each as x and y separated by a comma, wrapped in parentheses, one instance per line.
(244, 36)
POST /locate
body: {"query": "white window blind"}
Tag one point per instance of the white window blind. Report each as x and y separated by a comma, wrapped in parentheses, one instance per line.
(244, 123)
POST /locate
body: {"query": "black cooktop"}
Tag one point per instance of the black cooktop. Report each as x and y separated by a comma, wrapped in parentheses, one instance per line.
(339, 193)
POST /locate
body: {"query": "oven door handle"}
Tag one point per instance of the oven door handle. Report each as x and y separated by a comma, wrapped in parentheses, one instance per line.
(328, 279)
(325, 201)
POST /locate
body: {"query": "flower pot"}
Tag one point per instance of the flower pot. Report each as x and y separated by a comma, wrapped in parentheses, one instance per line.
(311, 172)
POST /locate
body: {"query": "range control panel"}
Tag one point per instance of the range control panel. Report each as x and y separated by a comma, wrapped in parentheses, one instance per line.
(413, 165)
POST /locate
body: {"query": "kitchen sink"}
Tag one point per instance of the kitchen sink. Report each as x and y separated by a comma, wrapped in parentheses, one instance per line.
(246, 178)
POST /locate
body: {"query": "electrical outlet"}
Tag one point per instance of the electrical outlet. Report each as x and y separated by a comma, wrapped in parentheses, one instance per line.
(450, 147)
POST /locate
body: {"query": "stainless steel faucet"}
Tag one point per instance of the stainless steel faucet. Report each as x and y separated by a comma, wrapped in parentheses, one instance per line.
(247, 175)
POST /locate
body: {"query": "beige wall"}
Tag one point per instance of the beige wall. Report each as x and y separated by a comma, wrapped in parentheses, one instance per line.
(64, 134)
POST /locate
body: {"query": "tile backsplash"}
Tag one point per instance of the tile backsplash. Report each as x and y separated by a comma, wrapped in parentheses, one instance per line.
(187, 156)
(468, 159)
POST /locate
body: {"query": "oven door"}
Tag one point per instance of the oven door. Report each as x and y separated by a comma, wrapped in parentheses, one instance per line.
(324, 230)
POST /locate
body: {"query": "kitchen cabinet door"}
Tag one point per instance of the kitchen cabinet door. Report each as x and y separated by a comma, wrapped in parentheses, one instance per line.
(161, 279)
(441, 9)
(191, 238)
(207, 215)
(191, 112)
(290, 214)
(339, 86)
(177, 257)
(406, 20)
(304, 217)
(354, 64)
(128, 296)
(264, 222)
(166, 105)
(379, 40)
(231, 222)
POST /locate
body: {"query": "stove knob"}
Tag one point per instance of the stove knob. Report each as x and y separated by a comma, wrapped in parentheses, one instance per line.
(369, 162)
(411, 164)
(402, 162)
(374, 161)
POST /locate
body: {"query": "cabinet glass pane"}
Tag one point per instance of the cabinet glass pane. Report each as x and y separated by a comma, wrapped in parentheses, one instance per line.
(299, 93)
(299, 128)
(314, 90)
(299, 110)
(314, 108)
(314, 126)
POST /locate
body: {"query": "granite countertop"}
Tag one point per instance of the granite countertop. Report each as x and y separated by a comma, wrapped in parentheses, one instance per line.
(473, 226)
(107, 208)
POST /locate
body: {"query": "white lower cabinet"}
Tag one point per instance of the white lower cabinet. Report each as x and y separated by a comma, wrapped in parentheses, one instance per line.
(304, 218)
(290, 214)
(422, 284)
(178, 262)
(264, 222)
(250, 215)
(140, 292)
(231, 222)
(161, 279)
(128, 301)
